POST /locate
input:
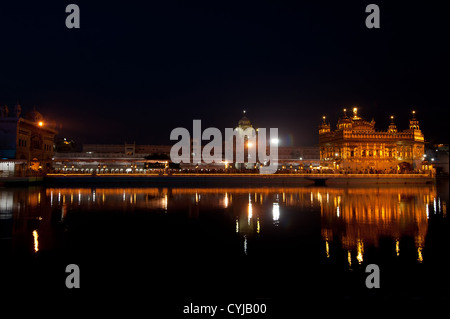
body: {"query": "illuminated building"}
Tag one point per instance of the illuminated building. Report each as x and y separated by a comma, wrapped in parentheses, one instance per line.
(26, 143)
(355, 146)
(288, 156)
(132, 158)
(111, 158)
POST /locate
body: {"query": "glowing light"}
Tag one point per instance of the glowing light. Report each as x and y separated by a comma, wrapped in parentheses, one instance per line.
(397, 247)
(349, 258)
(245, 244)
(225, 201)
(237, 225)
(249, 144)
(360, 250)
(250, 209)
(275, 213)
(258, 226)
(275, 141)
(36, 241)
(327, 249)
(419, 255)
(40, 123)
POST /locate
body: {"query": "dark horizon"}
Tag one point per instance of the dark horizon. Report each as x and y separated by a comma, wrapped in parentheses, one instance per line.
(132, 73)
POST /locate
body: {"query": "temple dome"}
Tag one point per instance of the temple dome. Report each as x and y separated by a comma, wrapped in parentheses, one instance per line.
(34, 116)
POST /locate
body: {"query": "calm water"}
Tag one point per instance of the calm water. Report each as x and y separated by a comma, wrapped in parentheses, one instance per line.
(276, 244)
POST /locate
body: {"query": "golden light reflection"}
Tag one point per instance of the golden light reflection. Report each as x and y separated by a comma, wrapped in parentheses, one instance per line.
(349, 258)
(397, 247)
(368, 214)
(419, 255)
(327, 248)
(225, 200)
(36, 241)
(356, 216)
(360, 251)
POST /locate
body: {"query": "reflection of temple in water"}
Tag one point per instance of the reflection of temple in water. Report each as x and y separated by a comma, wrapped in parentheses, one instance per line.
(357, 218)
(362, 216)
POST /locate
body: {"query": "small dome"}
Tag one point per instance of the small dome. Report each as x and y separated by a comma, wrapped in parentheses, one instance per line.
(244, 121)
(34, 116)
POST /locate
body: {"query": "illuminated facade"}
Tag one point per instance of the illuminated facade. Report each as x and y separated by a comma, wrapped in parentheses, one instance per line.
(26, 143)
(355, 146)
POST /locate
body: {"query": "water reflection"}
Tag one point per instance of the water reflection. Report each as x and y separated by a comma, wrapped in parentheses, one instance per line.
(355, 218)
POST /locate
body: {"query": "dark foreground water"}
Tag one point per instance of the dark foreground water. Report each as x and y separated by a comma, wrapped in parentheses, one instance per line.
(158, 249)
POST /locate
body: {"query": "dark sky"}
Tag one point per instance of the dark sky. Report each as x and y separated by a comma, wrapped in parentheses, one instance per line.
(136, 70)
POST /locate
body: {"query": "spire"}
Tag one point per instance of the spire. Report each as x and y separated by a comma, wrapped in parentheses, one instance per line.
(413, 122)
(324, 127)
(392, 127)
(355, 114)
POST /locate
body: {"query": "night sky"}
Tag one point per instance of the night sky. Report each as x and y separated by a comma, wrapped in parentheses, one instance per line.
(136, 70)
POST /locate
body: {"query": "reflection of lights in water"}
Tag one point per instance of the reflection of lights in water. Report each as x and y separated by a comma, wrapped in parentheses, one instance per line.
(312, 198)
(427, 211)
(59, 197)
(196, 198)
(419, 255)
(245, 244)
(51, 198)
(397, 247)
(275, 213)
(337, 211)
(36, 241)
(79, 197)
(349, 258)
(93, 196)
(123, 197)
(434, 205)
(71, 198)
(419, 243)
(258, 226)
(360, 250)
(166, 200)
(250, 209)
(237, 225)
(225, 200)
(328, 198)
(327, 249)
(63, 212)
(39, 198)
